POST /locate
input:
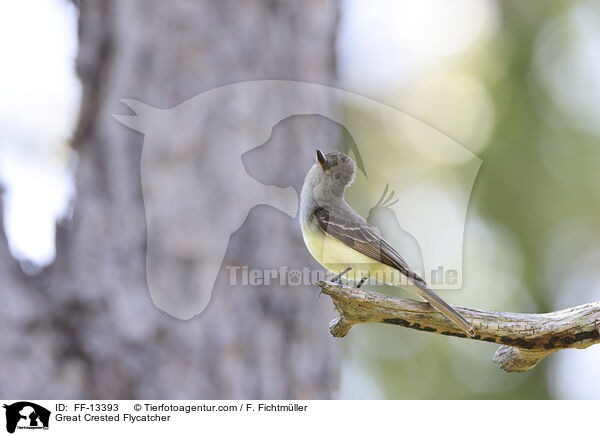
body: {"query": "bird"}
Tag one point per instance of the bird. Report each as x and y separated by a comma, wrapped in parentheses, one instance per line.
(340, 239)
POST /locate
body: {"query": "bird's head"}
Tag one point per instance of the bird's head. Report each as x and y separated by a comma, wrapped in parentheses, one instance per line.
(331, 174)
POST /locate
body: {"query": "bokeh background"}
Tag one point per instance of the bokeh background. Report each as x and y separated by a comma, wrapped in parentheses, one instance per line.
(516, 83)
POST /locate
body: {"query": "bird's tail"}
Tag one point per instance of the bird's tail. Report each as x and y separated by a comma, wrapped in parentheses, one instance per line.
(439, 304)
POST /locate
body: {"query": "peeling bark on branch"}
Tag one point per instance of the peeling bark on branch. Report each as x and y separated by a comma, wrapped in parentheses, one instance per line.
(525, 338)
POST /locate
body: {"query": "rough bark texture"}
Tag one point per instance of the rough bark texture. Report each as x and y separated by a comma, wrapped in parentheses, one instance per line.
(86, 327)
(526, 338)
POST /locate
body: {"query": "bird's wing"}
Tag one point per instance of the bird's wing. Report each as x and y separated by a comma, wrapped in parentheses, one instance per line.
(350, 228)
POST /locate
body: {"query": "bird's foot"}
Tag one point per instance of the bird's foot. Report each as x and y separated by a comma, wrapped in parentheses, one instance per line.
(338, 278)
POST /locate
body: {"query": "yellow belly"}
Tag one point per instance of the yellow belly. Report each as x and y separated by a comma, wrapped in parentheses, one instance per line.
(337, 256)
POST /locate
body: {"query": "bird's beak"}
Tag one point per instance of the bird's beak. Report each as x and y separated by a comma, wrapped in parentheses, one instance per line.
(322, 160)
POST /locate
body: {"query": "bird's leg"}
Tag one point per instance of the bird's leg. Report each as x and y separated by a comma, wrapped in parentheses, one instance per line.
(338, 278)
(364, 279)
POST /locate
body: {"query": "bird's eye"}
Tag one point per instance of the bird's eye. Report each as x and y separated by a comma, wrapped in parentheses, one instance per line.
(338, 176)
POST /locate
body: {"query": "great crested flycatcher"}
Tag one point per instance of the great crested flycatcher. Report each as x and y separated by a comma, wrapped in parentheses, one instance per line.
(339, 238)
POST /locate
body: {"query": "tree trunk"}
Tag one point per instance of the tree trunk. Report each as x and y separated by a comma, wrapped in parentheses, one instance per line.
(87, 327)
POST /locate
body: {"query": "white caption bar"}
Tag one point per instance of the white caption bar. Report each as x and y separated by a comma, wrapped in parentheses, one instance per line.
(23, 417)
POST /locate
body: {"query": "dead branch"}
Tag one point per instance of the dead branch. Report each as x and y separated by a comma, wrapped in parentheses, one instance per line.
(524, 338)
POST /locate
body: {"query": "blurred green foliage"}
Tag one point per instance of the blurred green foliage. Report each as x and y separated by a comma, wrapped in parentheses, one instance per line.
(539, 173)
